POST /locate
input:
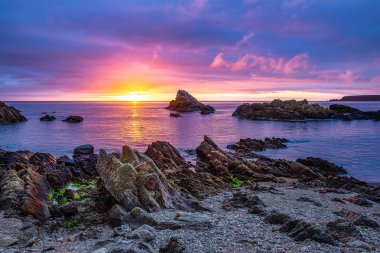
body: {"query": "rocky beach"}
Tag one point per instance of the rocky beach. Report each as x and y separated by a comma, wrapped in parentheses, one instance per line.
(158, 202)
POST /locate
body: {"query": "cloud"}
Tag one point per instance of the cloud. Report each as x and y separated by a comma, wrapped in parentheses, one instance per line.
(263, 64)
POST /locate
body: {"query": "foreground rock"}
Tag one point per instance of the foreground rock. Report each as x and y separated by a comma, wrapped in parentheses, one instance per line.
(248, 145)
(47, 117)
(73, 119)
(292, 110)
(134, 180)
(184, 102)
(322, 166)
(183, 174)
(9, 114)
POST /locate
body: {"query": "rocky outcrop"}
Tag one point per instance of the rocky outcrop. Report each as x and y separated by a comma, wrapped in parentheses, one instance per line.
(73, 119)
(282, 110)
(9, 114)
(48, 117)
(248, 145)
(175, 115)
(184, 102)
(136, 181)
(292, 110)
(183, 174)
(24, 190)
(322, 166)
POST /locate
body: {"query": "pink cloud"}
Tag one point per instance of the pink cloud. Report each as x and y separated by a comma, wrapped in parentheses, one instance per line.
(263, 63)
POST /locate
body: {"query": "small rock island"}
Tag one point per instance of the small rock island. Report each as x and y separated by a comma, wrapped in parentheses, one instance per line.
(292, 110)
(184, 102)
(9, 114)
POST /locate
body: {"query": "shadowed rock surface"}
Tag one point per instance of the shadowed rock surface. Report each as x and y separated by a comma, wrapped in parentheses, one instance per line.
(9, 114)
(183, 174)
(184, 102)
(292, 110)
(248, 145)
(324, 167)
(136, 181)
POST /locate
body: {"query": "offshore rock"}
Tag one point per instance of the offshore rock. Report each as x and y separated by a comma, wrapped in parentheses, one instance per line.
(9, 114)
(182, 173)
(73, 119)
(48, 117)
(282, 110)
(184, 102)
(134, 180)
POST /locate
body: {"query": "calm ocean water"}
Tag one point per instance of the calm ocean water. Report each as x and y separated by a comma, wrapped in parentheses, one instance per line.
(354, 145)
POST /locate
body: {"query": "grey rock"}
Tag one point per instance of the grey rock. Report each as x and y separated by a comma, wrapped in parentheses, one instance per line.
(6, 241)
(359, 245)
(145, 232)
(173, 246)
(117, 214)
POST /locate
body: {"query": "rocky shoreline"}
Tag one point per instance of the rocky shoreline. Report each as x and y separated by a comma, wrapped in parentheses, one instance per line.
(157, 201)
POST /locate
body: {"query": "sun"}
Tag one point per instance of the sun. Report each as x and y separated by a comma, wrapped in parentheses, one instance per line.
(134, 97)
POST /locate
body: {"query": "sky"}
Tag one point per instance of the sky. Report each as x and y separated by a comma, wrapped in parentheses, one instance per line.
(215, 49)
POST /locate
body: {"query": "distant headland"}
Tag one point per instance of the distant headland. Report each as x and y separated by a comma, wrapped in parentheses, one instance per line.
(359, 98)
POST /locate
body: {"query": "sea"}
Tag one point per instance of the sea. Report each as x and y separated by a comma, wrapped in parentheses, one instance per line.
(355, 145)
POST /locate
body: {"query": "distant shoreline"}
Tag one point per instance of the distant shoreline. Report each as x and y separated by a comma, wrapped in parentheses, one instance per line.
(359, 98)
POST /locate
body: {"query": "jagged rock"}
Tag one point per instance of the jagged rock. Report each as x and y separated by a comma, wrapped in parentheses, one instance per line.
(44, 162)
(118, 215)
(276, 218)
(175, 115)
(183, 174)
(242, 199)
(215, 161)
(142, 216)
(73, 119)
(173, 246)
(24, 191)
(9, 114)
(136, 181)
(194, 219)
(85, 159)
(302, 230)
(257, 210)
(248, 145)
(13, 160)
(48, 117)
(282, 110)
(322, 166)
(145, 233)
(184, 102)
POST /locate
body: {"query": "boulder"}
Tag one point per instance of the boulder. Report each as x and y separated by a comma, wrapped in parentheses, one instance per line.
(145, 233)
(73, 119)
(183, 174)
(241, 199)
(343, 109)
(184, 102)
(136, 181)
(83, 150)
(48, 117)
(277, 218)
(9, 114)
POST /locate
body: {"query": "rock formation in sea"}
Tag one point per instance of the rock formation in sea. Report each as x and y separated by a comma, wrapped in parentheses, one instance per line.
(9, 114)
(134, 180)
(73, 119)
(184, 102)
(47, 117)
(292, 110)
